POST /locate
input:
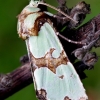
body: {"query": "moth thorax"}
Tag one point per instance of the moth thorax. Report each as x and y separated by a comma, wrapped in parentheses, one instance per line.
(29, 27)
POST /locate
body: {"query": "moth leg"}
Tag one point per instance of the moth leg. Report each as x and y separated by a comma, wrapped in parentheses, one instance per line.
(91, 44)
(60, 17)
(68, 40)
(56, 16)
(80, 52)
(83, 42)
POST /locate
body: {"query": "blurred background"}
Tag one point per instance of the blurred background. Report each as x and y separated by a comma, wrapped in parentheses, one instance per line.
(12, 47)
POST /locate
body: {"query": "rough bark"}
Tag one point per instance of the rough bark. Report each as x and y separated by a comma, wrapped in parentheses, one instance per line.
(15, 81)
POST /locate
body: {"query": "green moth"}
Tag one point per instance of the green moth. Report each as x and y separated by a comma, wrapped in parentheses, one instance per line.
(53, 74)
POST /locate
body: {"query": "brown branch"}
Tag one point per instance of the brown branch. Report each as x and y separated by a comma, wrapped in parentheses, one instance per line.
(86, 28)
(16, 80)
(21, 77)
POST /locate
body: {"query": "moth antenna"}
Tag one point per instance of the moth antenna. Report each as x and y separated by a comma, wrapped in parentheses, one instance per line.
(48, 5)
(71, 41)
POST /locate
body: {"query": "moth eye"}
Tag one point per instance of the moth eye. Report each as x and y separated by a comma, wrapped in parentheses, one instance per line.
(36, 2)
(40, 23)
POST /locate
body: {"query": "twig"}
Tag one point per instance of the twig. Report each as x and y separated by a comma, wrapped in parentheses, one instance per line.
(19, 78)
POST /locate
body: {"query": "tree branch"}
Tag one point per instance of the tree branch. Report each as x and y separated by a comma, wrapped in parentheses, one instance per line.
(21, 77)
(86, 28)
(17, 80)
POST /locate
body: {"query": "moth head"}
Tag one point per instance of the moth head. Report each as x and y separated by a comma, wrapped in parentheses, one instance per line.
(35, 3)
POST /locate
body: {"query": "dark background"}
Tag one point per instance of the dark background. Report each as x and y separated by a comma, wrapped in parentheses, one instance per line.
(12, 47)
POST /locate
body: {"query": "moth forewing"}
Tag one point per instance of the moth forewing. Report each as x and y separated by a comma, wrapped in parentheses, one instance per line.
(53, 72)
(54, 76)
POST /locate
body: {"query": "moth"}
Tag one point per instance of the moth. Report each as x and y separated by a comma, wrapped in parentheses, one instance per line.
(53, 74)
